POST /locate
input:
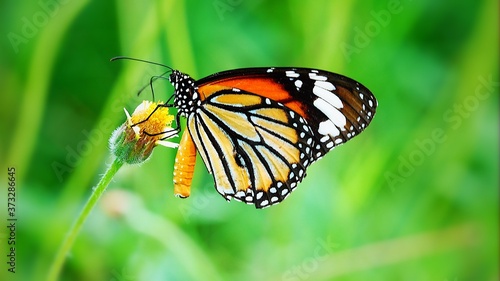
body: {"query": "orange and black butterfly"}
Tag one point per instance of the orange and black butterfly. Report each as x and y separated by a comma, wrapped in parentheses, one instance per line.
(258, 129)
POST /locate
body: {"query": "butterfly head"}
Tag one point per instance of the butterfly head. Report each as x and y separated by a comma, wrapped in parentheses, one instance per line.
(186, 98)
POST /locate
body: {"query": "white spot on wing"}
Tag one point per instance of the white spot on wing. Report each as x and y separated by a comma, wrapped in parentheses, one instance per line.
(317, 77)
(291, 73)
(328, 97)
(331, 112)
(328, 128)
(325, 138)
(325, 85)
(259, 195)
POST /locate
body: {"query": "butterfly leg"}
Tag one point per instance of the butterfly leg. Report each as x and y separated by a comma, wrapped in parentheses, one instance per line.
(151, 114)
(169, 133)
(150, 84)
(185, 161)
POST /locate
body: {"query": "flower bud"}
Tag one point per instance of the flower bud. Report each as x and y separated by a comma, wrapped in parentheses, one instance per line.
(148, 126)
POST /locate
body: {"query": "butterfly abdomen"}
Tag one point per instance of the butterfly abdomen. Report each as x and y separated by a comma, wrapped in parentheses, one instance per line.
(184, 166)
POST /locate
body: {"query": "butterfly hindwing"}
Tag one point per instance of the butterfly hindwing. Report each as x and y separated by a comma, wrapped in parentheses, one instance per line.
(256, 149)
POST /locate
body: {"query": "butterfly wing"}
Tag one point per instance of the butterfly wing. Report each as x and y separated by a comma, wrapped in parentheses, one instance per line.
(256, 149)
(336, 107)
(258, 129)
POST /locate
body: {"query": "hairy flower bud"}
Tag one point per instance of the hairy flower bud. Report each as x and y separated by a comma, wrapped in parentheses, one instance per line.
(149, 125)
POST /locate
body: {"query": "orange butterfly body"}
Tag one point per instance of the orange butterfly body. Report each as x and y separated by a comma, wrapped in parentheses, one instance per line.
(185, 161)
(258, 129)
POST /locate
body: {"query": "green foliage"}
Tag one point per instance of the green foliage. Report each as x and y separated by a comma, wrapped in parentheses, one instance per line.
(415, 197)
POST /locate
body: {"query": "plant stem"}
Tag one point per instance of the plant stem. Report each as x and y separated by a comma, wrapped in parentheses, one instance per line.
(63, 251)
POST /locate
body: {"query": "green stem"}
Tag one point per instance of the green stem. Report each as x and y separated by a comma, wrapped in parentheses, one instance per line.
(55, 269)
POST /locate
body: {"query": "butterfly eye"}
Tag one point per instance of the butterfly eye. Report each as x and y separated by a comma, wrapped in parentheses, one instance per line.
(173, 77)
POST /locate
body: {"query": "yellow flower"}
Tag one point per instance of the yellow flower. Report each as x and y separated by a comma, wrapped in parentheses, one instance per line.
(149, 125)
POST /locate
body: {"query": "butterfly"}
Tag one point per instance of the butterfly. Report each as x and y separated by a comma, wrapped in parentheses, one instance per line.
(258, 129)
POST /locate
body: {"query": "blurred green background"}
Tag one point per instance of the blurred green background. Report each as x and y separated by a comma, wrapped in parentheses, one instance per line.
(415, 197)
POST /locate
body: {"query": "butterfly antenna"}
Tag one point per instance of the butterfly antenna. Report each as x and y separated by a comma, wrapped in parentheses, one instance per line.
(153, 78)
(150, 84)
(140, 60)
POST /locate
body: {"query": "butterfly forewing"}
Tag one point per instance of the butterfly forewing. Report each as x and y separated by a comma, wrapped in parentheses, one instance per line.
(336, 107)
